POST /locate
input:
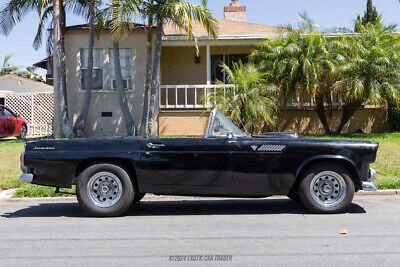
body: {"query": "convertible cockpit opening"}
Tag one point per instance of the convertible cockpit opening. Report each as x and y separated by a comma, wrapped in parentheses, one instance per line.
(220, 126)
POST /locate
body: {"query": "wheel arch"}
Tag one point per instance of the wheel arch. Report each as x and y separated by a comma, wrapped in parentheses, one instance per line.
(340, 160)
(127, 164)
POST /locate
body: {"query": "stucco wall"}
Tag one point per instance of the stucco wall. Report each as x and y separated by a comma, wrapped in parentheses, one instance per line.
(178, 123)
(178, 63)
(106, 101)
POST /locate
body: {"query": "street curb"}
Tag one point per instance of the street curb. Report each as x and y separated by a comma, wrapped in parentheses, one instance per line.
(5, 196)
(389, 192)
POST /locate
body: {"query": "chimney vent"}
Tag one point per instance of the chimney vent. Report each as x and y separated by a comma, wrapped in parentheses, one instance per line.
(235, 11)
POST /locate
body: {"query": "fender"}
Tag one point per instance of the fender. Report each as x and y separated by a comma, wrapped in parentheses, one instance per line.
(324, 157)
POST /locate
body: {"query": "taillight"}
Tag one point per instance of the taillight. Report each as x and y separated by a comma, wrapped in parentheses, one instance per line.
(21, 157)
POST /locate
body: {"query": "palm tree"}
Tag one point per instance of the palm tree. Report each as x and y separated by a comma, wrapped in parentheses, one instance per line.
(302, 64)
(251, 102)
(80, 123)
(183, 15)
(372, 74)
(122, 13)
(6, 66)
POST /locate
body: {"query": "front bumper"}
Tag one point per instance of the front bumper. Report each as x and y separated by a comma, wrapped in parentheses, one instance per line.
(369, 185)
(26, 178)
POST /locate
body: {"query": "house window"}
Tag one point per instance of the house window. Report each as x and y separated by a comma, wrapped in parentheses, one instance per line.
(97, 74)
(2, 101)
(125, 55)
(217, 72)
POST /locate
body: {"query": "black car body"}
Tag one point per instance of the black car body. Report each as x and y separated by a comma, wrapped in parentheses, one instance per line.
(225, 162)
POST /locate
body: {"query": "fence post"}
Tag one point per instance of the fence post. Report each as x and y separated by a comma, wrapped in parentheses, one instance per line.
(32, 108)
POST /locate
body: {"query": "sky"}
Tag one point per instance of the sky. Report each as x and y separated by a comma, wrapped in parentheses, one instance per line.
(326, 13)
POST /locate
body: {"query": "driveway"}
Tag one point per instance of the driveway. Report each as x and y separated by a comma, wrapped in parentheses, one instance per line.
(180, 231)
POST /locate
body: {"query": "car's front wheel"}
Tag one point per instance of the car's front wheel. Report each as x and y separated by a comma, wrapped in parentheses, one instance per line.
(105, 190)
(22, 132)
(327, 188)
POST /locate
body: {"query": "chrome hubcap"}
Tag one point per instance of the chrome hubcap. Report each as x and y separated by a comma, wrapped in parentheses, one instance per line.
(328, 189)
(104, 189)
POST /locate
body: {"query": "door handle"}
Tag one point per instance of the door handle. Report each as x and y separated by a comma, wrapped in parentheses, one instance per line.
(154, 146)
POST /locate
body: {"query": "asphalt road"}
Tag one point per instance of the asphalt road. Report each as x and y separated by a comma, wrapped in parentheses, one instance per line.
(207, 232)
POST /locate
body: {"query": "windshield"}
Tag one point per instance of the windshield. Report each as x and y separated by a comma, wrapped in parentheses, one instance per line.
(221, 126)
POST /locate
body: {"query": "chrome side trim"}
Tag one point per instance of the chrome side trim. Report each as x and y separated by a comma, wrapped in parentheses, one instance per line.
(26, 178)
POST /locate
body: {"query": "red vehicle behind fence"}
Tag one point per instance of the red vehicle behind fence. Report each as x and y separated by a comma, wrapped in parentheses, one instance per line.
(11, 124)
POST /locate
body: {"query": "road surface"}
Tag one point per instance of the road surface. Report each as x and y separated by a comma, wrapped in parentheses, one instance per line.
(173, 231)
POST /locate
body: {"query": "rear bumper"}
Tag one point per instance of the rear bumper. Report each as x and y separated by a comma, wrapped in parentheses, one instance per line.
(26, 178)
(369, 185)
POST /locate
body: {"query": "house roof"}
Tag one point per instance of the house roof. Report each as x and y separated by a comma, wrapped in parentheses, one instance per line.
(33, 86)
(225, 28)
(42, 64)
(80, 27)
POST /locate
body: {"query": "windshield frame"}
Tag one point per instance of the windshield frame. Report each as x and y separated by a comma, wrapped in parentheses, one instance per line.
(208, 132)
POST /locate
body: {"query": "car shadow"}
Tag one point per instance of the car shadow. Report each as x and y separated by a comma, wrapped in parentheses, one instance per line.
(181, 207)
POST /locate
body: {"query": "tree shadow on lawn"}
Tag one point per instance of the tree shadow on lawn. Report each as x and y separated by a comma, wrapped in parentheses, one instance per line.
(181, 207)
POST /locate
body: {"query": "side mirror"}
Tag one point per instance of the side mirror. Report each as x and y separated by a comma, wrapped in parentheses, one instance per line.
(230, 136)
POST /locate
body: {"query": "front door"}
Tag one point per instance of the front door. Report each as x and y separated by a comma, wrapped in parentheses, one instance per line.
(186, 165)
(6, 123)
(213, 164)
(11, 122)
(168, 161)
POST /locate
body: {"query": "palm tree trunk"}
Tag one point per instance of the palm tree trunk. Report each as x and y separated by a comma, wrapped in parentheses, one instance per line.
(80, 123)
(126, 114)
(155, 88)
(319, 99)
(348, 111)
(144, 130)
(66, 125)
(61, 126)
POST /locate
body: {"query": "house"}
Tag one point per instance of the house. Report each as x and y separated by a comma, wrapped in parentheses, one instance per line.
(33, 100)
(185, 77)
(11, 83)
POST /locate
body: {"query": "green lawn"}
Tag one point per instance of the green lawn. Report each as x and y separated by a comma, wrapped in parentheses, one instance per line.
(387, 164)
(10, 151)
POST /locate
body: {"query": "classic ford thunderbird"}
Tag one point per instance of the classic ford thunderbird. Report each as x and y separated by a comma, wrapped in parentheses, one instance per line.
(112, 174)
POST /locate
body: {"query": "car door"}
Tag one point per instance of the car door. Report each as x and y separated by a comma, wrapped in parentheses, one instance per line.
(11, 122)
(213, 164)
(3, 123)
(168, 161)
(262, 165)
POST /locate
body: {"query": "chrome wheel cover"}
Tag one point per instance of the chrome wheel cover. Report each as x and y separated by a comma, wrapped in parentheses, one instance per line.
(328, 189)
(23, 132)
(104, 189)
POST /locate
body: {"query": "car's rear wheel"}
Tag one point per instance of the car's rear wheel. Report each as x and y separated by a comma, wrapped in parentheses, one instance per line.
(105, 190)
(327, 188)
(22, 132)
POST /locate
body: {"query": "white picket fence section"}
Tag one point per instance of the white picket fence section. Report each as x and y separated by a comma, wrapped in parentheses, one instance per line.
(35, 108)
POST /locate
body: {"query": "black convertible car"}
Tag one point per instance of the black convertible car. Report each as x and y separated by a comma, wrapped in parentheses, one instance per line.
(111, 174)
